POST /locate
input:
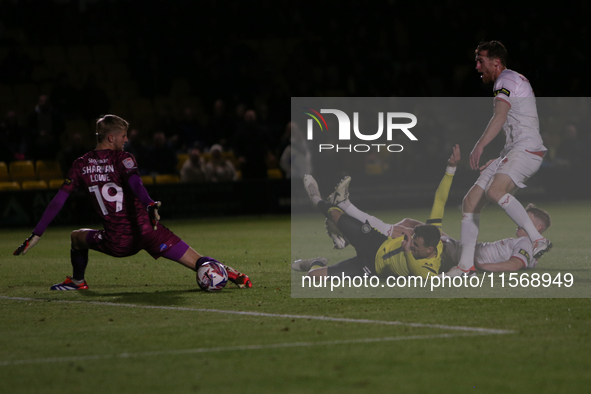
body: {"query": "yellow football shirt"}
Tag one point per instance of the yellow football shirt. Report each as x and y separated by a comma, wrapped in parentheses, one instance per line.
(391, 260)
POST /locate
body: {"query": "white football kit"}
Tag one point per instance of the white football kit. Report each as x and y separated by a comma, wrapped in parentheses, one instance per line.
(524, 149)
(490, 252)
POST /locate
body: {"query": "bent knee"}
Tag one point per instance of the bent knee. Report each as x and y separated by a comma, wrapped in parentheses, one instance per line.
(474, 201)
(494, 194)
(78, 239)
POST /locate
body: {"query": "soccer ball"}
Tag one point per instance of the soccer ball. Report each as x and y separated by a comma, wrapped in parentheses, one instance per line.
(212, 276)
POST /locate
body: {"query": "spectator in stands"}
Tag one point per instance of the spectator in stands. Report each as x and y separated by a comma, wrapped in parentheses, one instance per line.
(12, 141)
(296, 159)
(221, 127)
(251, 148)
(219, 169)
(167, 122)
(270, 128)
(192, 131)
(193, 170)
(136, 147)
(45, 127)
(161, 157)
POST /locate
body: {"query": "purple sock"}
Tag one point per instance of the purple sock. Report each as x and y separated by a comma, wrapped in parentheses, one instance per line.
(177, 251)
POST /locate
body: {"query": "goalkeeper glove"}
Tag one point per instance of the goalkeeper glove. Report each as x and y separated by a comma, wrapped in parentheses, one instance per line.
(153, 213)
(238, 278)
(28, 244)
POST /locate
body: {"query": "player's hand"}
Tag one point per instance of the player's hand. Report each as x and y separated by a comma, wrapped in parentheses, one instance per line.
(238, 278)
(482, 168)
(407, 239)
(475, 156)
(28, 244)
(455, 156)
(153, 213)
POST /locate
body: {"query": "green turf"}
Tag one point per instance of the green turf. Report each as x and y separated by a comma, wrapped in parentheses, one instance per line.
(547, 351)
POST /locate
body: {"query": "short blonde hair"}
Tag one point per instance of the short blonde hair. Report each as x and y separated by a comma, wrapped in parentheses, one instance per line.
(540, 214)
(108, 124)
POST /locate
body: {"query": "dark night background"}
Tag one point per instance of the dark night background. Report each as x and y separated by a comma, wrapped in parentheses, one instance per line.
(163, 65)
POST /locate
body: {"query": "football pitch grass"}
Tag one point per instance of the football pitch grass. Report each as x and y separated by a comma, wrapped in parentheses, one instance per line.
(144, 327)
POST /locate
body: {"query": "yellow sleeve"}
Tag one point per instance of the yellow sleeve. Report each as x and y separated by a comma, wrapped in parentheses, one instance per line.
(441, 195)
(423, 267)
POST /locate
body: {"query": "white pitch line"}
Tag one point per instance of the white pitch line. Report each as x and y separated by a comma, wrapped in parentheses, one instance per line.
(262, 314)
(226, 349)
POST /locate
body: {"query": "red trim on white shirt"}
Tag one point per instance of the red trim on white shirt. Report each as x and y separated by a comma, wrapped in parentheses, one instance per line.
(539, 153)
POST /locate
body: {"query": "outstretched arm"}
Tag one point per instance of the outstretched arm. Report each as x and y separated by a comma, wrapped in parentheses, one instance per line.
(442, 191)
(50, 213)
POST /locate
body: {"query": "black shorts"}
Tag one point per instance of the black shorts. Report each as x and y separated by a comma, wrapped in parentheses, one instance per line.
(355, 266)
(366, 240)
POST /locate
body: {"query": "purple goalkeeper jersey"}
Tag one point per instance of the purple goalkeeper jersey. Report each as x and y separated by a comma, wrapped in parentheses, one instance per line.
(104, 175)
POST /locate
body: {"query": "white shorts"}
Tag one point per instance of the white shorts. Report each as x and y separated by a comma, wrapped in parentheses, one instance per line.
(519, 165)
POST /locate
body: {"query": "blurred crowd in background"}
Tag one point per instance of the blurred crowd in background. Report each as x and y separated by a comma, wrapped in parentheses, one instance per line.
(209, 82)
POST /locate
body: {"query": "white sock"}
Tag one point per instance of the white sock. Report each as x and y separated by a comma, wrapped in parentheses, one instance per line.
(345, 205)
(374, 222)
(469, 236)
(519, 215)
(315, 200)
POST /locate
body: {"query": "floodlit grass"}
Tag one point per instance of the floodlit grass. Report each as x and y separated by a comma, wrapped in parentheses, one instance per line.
(109, 340)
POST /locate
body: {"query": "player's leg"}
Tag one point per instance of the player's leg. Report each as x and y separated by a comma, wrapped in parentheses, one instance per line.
(511, 174)
(340, 197)
(501, 191)
(79, 260)
(358, 214)
(331, 211)
(472, 204)
(305, 265)
(188, 257)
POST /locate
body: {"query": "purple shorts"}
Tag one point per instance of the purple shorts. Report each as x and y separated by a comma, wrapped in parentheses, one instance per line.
(157, 243)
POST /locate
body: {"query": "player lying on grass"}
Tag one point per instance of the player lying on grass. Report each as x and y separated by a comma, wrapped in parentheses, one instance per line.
(509, 254)
(410, 251)
(110, 178)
